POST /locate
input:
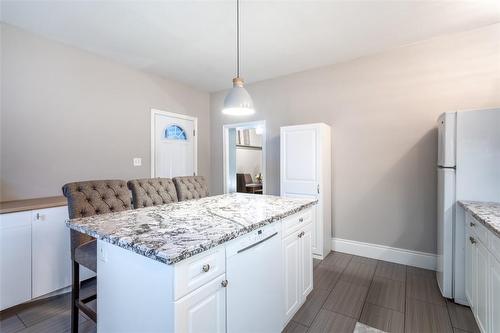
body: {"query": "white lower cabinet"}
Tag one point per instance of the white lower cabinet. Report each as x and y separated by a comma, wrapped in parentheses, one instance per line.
(494, 313)
(203, 310)
(35, 257)
(51, 257)
(482, 275)
(297, 268)
(15, 259)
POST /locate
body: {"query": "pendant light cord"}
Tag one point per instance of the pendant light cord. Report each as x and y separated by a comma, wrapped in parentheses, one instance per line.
(238, 38)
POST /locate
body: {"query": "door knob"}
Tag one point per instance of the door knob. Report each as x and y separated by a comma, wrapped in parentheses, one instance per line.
(206, 267)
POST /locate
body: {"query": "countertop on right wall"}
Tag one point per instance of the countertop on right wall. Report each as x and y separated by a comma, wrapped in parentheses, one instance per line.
(488, 213)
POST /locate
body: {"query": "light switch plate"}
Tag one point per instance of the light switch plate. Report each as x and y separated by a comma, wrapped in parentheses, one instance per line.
(137, 161)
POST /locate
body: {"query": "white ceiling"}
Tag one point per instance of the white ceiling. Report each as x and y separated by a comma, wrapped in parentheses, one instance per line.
(194, 42)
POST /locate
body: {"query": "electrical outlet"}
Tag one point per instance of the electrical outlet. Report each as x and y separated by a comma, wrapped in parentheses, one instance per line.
(137, 161)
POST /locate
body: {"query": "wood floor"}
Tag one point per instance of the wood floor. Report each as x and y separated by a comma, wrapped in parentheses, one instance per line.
(387, 296)
(347, 289)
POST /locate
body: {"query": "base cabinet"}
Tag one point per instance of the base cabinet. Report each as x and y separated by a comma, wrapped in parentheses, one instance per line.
(35, 257)
(203, 310)
(482, 275)
(15, 259)
(495, 294)
(298, 270)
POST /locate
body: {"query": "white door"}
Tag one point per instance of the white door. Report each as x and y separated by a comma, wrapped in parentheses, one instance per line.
(203, 310)
(470, 268)
(174, 145)
(300, 168)
(494, 294)
(482, 269)
(15, 259)
(51, 260)
(291, 262)
(306, 266)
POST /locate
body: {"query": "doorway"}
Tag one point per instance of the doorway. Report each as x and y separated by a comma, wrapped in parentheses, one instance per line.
(173, 144)
(244, 157)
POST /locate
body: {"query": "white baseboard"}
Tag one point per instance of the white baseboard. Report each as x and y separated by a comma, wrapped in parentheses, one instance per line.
(387, 253)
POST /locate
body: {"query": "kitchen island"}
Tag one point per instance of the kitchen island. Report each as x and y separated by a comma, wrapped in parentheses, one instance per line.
(482, 262)
(232, 263)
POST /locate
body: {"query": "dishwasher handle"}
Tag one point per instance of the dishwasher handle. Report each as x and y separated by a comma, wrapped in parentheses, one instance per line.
(257, 243)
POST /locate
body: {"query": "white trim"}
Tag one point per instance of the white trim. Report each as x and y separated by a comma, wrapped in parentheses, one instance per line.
(225, 150)
(386, 253)
(154, 112)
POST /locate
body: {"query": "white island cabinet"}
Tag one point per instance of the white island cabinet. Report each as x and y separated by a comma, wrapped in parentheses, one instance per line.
(229, 263)
(482, 274)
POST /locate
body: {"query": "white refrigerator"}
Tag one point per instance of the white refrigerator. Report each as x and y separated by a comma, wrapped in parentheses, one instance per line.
(468, 168)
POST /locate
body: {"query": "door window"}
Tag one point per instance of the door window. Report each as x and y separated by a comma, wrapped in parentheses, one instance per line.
(174, 132)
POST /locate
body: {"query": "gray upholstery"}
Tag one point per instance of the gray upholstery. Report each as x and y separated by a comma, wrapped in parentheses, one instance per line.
(93, 198)
(86, 255)
(152, 192)
(191, 187)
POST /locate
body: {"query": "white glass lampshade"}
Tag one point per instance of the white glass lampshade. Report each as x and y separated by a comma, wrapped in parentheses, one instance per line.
(238, 101)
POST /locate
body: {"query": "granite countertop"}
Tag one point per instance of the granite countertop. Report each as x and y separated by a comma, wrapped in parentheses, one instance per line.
(173, 232)
(31, 204)
(488, 213)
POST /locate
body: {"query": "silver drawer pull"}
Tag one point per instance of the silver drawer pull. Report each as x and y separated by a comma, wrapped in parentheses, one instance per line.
(301, 219)
(224, 283)
(472, 240)
(206, 267)
(472, 224)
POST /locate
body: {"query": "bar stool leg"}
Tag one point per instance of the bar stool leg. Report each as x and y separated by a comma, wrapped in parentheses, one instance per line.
(75, 296)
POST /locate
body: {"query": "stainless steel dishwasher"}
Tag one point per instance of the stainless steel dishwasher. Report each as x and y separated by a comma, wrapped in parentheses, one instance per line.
(255, 288)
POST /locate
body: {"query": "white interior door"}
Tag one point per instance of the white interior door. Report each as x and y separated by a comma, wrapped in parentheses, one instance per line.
(174, 145)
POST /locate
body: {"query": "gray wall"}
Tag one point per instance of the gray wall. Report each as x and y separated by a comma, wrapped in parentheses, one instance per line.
(382, 110)
(69, 115)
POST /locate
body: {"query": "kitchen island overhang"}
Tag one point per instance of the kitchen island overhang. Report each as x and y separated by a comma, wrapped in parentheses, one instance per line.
(163, 268)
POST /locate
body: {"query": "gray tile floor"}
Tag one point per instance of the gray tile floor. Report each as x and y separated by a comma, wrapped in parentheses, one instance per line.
(347, 289)
(387, 296)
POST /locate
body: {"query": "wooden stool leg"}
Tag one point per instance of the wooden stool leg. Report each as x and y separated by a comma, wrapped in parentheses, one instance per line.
(75, 296)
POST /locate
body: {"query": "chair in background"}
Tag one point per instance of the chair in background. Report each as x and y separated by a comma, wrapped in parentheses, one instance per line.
(191, 187)
(87, 199)
(152, 191)
(245, 184)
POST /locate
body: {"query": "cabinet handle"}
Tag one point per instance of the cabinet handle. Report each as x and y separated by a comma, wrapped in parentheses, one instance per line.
(317, 188)
(224, 283)
(301, 234)
(37, 216)
(301, 219)
(472, 240)
(472, 224)
(206, 268)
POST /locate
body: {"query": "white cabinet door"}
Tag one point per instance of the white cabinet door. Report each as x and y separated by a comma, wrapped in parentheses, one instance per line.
(470, 268)
(51, 258)
(494, 293)
(482, 268)
(15, 259)
(203, 310)
(306, 268)
(291, 270)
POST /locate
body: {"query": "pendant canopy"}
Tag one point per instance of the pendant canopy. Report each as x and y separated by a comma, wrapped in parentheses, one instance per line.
(238, 101)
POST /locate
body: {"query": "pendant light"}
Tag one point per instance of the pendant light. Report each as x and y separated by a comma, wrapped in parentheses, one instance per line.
(238, 101)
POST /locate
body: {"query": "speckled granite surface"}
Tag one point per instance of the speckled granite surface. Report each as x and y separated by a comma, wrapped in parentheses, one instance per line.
(173, 232)
(488, 213)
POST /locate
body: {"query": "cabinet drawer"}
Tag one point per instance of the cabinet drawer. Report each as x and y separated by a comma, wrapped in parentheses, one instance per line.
(192, 273)
(294, 222)
(477, 228)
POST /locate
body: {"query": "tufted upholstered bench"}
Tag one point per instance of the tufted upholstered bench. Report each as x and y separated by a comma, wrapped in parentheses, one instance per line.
(152, 191)
(191, 187)
(87, 199)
